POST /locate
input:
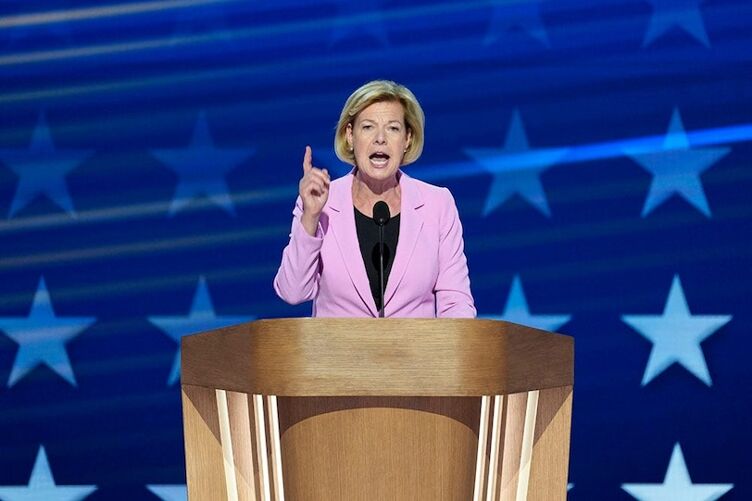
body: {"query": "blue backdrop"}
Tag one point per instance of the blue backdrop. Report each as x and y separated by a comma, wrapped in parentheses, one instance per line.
(600, 153)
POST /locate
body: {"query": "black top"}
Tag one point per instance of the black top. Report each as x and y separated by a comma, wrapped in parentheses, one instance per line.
(368, 238)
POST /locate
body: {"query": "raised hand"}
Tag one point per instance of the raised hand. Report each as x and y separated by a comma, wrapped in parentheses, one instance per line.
(314, 191)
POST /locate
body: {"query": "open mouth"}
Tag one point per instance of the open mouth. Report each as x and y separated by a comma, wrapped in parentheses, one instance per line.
(379, 158)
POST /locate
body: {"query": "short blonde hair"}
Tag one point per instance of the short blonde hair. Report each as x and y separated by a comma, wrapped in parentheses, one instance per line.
(374, 92)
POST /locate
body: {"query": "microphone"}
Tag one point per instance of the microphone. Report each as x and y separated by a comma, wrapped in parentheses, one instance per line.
(381, 213)
(381, 217)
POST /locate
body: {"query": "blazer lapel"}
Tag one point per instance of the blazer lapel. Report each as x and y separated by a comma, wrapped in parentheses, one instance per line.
(411, 223)
(346, 237)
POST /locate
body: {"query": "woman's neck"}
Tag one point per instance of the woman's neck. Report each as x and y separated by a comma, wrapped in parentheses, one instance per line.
(366, 192)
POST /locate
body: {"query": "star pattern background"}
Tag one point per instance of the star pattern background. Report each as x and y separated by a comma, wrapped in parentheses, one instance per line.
(41, 170)
(677, 484)
(600, 153)
(42, 485)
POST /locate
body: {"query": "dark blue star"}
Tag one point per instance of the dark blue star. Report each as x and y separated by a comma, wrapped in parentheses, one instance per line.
(516, 310)
(22, 29)
(358, 19)
(42, 169)
(205, 24)
(676, 168)
(684, 14)
(202, 168)
(518, 14)
(516, 168)
(201, 318)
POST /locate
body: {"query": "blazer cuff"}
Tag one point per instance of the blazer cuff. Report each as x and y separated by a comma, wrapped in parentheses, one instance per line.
(300, 235)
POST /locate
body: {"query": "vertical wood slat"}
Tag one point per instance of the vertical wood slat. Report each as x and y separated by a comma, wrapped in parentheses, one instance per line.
(523, 446)
(258, 475)
(526, 452)
(242, 445)
(497, 440)
(262, 451)
(226, 441)
(511, 448)
(549, 468)
(203, 450)
(232, 445)
(275, 449)
(481, 461)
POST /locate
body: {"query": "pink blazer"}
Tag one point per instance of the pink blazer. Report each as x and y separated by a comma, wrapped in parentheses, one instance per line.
(429, 276)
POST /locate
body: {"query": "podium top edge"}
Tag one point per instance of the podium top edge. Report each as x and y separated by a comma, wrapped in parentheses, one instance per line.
(367, 356)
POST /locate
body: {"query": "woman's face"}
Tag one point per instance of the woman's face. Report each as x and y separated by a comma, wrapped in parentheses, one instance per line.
(379, 139)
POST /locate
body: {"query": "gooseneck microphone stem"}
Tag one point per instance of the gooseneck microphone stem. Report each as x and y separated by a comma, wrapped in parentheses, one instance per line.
(381, 268)
(381, 217)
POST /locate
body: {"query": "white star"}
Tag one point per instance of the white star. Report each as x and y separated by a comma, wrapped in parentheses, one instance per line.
(676, 168)
(676, 335)
(202, 168)
(174, 492)
(201, 318)
(42, 337)
(517, 311)
(42, 486)
(42, 169)
(677, 485)
(516, 168)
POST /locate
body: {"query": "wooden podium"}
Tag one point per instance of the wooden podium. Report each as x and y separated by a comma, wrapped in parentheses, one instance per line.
(377, 409)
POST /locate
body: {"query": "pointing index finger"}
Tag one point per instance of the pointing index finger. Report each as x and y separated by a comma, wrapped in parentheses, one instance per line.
(307, 165)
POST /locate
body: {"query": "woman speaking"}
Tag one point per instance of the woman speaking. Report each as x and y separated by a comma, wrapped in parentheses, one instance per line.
(376, 242)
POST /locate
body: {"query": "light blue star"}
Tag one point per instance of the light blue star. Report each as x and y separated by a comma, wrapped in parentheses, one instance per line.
(517, 311)
(42, 485)
(516, 168)
(677, 485)
(42, 337)
(676, 168)
(42, 169)
(201, 318)
(517, 14)
(676, 335)
(684, 14)
(363, 18)
(169, 492)
(202, 168)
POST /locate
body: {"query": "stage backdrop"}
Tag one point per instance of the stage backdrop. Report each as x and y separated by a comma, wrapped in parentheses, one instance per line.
(600, 154)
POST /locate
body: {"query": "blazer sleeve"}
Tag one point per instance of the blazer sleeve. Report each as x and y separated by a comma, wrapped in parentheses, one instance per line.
(297, 279)
(453, 296)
